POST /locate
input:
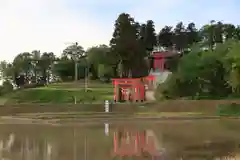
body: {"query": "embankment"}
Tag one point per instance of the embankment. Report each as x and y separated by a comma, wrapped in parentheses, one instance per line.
(200, 106)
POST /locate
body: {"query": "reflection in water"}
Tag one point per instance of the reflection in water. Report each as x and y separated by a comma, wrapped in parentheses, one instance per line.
(94, 142)
(106, 129)
(137, 143)
(207, 150)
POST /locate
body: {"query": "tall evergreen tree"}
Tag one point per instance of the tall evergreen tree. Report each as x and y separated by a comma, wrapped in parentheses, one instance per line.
(125, 42)
(150, 36)
(180, 37)
(192, 34)
(165, 37)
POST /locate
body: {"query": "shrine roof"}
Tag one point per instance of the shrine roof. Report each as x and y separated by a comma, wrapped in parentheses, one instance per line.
(163, 54)
(126, 79)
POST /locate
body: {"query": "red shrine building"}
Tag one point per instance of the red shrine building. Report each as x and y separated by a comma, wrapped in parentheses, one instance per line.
(134, 89)
(159, 60)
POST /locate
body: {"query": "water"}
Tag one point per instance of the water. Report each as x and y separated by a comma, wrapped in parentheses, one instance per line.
(193, 140)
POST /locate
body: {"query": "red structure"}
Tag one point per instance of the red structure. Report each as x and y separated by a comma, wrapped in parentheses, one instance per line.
(128, 89)
(149, 81)
(133, 143)
(160, 58)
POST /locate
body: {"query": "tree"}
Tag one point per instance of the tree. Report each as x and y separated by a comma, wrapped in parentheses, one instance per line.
(180, 37)
(125, 42)
(148, 35)
(64, 68)
(104, 72)
(213, 33)
(207, 33)
(23, 64)
(229, 31)
(165, 37)
(36, 55)
(218, 32)
(74, 52)
(237, 33)
(192, 35)
(3, 68)
(213, 73)
(98, 55)
(45, 63)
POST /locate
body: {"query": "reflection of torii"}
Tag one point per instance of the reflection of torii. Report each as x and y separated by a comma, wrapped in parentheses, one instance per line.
(8, 144)
(140, 142)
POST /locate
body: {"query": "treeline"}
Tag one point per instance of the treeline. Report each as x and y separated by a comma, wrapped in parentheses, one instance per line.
(125, 56)
(205, 74)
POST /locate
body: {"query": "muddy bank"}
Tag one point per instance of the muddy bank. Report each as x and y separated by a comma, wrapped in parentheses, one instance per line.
(203, 106)
(86, 120)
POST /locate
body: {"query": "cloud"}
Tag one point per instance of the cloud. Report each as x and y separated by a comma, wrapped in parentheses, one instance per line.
(46, 25)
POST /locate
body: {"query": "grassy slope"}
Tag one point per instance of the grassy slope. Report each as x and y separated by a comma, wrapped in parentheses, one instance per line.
(63, 93)
(2, 100)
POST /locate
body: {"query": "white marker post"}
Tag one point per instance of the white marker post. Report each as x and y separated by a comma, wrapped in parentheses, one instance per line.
(106, 125)
(106, 106)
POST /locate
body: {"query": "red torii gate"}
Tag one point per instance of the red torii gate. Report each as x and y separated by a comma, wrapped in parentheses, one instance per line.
(128, 89)
(149, 81)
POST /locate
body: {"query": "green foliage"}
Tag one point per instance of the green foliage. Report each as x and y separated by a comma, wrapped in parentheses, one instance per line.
(228, 110)
(169, 89)
(105, 72)
(204, 74)
(6, 87)
(99, 55)
(210, 64)
(51, 94)
(148, 35)
(73, 52)
(64, 68)
(130, 42)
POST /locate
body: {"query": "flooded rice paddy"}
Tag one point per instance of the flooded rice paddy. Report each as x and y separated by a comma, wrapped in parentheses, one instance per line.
(140, 140)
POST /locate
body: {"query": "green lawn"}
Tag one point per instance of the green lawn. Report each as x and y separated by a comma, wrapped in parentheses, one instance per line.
(2, 101)
(63, 93)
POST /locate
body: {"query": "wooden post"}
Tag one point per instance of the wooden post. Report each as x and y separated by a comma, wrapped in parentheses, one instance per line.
(136, 93)
(117, 91)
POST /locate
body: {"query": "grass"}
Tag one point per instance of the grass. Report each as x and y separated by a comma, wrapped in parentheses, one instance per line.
(232, 109)
(2, 100)
(63, 93)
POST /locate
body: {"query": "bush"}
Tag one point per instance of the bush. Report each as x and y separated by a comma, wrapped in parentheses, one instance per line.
(6, 87)
(205, 74)
(228, 110)
(175, 87)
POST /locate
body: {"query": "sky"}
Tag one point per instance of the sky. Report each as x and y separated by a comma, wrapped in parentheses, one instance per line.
(51, 25)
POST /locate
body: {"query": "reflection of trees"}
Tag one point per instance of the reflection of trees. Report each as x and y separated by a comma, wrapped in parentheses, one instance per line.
(210, 151)
(25, 148)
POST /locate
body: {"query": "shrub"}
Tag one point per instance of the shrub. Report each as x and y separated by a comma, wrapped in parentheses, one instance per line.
(228, 110)
(6, 87)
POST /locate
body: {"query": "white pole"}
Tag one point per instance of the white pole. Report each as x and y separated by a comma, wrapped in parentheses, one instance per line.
(76, 69)
(106, 125)
(86, 76)
(106, 106)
